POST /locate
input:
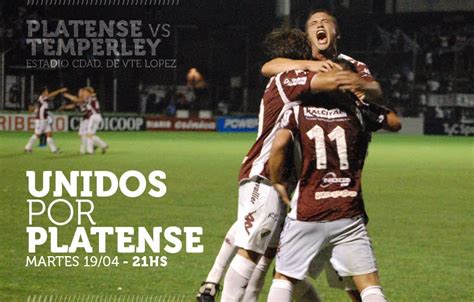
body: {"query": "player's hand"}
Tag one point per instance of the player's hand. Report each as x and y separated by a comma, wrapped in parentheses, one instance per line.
(63, 90)
(323, 66)
(350, 81)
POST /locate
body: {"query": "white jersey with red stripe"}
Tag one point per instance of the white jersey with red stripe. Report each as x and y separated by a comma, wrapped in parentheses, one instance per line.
(92, 107)
(282, 93)
(42, 108)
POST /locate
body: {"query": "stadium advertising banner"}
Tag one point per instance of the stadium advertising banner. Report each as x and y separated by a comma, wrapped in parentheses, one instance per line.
(448, 127)
(233, 151)
(154, 123)
(237, 124)
(112, 123)
(26, 122)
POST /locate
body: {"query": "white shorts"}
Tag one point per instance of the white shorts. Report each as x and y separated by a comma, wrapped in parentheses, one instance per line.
(42, 126)
(259, 215)
(322, 263)
(302, 242)
(94, 122)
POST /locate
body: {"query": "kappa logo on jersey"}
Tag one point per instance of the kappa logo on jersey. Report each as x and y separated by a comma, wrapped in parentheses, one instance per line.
(334, 194)
(295, 81)
(249, 219)
(330, 178)
(329, 114)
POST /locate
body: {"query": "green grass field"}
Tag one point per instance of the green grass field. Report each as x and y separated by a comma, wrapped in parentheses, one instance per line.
(418, 190)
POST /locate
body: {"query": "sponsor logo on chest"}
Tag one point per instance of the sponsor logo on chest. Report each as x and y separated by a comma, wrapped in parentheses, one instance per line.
(323, 113)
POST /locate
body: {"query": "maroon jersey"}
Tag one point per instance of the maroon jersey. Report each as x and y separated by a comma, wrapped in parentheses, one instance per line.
(334, 146)
(42, 108)
(282, 93)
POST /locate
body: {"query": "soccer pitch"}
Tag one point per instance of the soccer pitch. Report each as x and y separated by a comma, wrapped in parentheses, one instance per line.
(418, 192)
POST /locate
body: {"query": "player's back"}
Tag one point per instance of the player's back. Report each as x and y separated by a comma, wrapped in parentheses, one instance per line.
(282, 93)
(334, 146)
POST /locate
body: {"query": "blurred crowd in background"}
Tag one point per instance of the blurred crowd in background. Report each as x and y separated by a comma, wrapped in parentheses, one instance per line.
(411, 55)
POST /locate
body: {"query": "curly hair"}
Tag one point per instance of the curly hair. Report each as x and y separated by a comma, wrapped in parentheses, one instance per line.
(287, 43)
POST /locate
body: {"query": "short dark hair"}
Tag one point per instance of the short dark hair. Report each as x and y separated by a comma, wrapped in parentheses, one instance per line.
(42, 89)
(346, 65)
(287, 43)
(321, 10)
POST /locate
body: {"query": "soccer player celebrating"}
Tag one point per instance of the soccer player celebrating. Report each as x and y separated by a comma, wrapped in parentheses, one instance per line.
(260, 210)
(95, 118)
(41, 121)
(327, 210)
(323, 32)
(91, 118)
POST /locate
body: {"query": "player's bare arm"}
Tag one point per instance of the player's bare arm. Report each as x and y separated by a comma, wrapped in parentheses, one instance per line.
(352, 81)
(278, 65)
(72, 98)
(53, 94)
(276, 163)
(324, 82)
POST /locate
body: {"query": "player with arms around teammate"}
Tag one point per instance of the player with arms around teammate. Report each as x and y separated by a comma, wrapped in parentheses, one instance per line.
(259, 208)
(327, 209)
(323, 32)
(279, 43)
(41, 120)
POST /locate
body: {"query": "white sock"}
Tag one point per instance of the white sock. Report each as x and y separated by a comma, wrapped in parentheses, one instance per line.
(83, 144)
(31, 141)
(51, 144)
(373, 294)
(304, 291)
(257, 281)
(90, 145)
(97, 141)
(226, 253)
(237, 279)
(280, 291)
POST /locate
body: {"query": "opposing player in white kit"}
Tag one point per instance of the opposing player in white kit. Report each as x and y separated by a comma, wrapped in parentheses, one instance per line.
(42, 125)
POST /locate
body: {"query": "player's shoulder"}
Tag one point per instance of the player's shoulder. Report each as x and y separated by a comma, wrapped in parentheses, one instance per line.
(295, 77)
(360, 66)
(350, 59)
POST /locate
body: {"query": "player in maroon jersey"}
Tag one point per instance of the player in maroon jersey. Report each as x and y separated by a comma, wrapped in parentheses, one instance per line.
(323, 32)
(259, 207)
(327, 210)
(41, 121)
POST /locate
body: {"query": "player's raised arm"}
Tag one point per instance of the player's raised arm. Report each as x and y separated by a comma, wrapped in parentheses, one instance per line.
(72, 98)
(276, 163)
(55, 93)
(278, 65)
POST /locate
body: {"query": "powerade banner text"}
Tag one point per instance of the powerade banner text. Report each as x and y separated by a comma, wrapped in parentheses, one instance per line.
(237, 124)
